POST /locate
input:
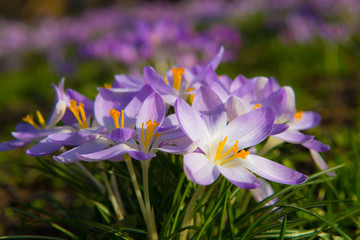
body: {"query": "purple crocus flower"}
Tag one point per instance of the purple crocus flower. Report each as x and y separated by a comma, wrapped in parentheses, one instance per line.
(29, 131)
(150, 135)
(220, 143)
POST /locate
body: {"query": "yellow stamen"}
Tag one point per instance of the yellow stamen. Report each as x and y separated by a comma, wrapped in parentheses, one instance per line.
(220, 157)
(115, 116)
(156, 135)
(166, 80)
(122, 118)
(30, 120)
(191, 96)
(41, 119)
(177, 77)
(149, 132)
(107, 85)
(298, 116)
(257, 106)
(78, 110)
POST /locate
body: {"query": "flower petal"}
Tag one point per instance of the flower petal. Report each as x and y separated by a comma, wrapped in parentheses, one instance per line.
(316, 145)
(211, 109)
(42, 148)
(293, 136)
(57, 114)
(273, 171)
(192, 124)
(308, 120)
(239, 176)
(152, 78)
(290, 108)
(235, 107)
(111, 153)
(320, 162)
(120, 135)
(279, 128)
(199, 169)
(88, 147)
(263, 191)
(250, 128)
(152, 109)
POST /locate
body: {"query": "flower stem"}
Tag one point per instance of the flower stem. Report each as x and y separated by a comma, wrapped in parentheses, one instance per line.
(270, 144)
(91, 176)
(112, 198)
(116, 192)
(136, 187)
(152, 231)
(190, 211)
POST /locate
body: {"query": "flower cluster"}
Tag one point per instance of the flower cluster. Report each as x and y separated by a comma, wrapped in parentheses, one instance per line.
(218, 126)
(216, 123)
(128, 35)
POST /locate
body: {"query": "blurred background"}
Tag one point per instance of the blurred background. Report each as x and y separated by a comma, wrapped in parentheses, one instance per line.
(312, 46)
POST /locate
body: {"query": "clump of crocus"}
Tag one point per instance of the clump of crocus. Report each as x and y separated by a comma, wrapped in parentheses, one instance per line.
(215, 123)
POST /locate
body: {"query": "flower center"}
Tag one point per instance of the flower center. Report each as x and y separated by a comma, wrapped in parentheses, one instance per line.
(191, 96)
(116, 116)
(107, 85)
(149, 132)
(79, 113)
(298, 116)
(257, 106)
(30, 119)
(223, 158)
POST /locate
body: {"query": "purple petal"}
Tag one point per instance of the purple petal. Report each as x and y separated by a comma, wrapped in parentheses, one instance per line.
(42, 148)
(211, 108)
(279, 128)
(235, 107)
(152, 78)
(107, 100)
(277, 101)
(192, 124)
(316, 146)
(214, 63)
(250, 128)
(320, 162)
(68, 139)
(152, 109)
(293, 136)
(199, 169)
(121, 134)
(289, 111)
(111, 153)
(133, 107)
(179, 149)
(308, 120)
(88, 147)
(239, 176)
(8, 145)
(263, 191)
(138, 155)
(273, 171)
(57, 114)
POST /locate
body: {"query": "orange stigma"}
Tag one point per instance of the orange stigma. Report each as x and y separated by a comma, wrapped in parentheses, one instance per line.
(29, 118)
(107, 85)
(149, 132)
(177, 72)
(221, 158)
(116, 116)
(298, 116)
(257, 106)
(79, 113)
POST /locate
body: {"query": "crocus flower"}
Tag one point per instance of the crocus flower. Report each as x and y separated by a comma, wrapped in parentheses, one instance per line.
(221, 145)
(150, 135)
(30, 131)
